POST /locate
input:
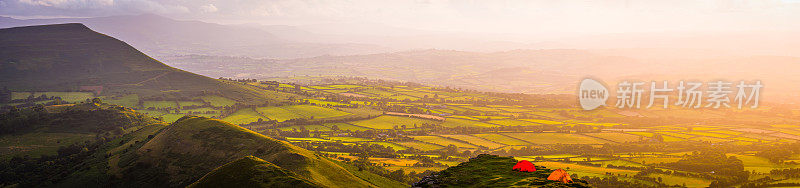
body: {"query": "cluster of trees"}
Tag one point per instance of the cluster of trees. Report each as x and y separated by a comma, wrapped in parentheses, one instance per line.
(363, 164)
(779, 153)
(788, 172)
(614, 182)
(97, 120)
(46, 170)
(727, 170)
(710, 161)
(108, 123)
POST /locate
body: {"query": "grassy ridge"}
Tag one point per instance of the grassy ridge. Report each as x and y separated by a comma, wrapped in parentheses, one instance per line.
(251, 171)
(196, 145)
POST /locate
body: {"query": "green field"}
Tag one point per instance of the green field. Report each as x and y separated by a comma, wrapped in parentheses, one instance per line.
(307, 139)
(159, 104)
(681, 181)
(345, 126)
(324, 103)
(502, 139)
(389, 122)
(244, 116)
(555, 138)
(541, 121)
(71, 97)
(218, 101)
(616, 137)
(283, 113)
(169, 118)
(131, 100)
(442, 141)
(617, 163)
(451, 122)
(759, 164)
(476, 141)
(511, 122)
(420, 145)
(343, 86)
(348, 139)
(38, 144)
(390, 144)
(189, 103)
(307, 127)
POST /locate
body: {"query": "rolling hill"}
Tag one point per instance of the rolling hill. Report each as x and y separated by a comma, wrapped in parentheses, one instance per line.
(251, 172)
(70, 57)
(192, 146)
(111, 146)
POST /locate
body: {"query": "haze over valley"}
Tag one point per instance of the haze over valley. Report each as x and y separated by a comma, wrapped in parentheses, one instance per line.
(294, 93)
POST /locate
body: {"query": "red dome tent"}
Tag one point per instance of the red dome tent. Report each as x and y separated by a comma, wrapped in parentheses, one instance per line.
(524, 166)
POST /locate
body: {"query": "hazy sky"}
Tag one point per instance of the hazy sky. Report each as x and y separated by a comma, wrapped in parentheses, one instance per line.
(495, 16)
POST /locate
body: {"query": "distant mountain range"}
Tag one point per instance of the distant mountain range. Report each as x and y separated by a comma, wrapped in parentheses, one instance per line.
(517, 71)
(157, 35)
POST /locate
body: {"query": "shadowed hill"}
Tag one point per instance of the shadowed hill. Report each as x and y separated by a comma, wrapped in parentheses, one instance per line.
(193, 146)
(251, 172)
(66, 57)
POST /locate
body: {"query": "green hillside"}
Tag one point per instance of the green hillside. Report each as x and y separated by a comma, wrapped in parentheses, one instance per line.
(108, 146)
(71, 57)
(192, 146)
(492, 171)
(69, 145)
(251, 172)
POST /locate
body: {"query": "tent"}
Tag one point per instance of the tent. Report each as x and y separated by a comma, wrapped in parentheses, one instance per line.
(560, 175)
(524, 166)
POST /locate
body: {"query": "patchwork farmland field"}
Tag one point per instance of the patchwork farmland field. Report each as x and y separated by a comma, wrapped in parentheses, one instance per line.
(390, 122)
(505, 127)
(244, 116)
(443, 141)
(71, 97)
(555, 138)
(218, 101)
(475, 141)
(420, 145)
(499, 138)
(616, 137)
(283, 113)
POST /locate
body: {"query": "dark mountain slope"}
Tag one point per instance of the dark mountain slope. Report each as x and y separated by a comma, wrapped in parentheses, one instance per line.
(65, 57)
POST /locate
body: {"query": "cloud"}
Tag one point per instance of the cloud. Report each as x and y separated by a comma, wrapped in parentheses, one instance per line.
(87, 8)
(528, 17)
(69, 4)
(209, 8)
